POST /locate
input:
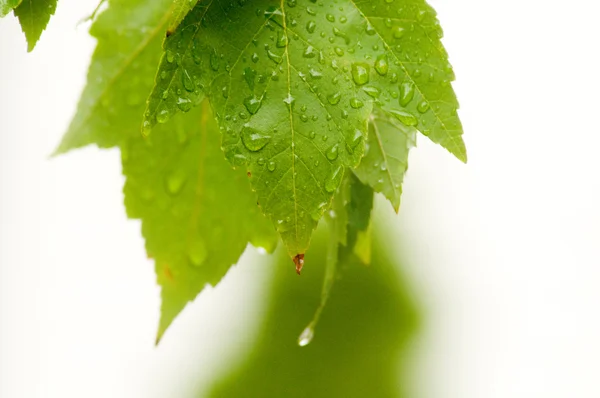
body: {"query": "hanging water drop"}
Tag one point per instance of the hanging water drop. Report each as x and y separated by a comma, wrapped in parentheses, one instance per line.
(306, 336)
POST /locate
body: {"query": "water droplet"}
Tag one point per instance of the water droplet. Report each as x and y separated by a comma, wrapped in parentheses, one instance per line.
(250, 77)
(214, 61)
(289, 101)
(184, 104)
(282, 40)
(356, 103)
(372, 91)
(163, 115)
(399, 32)
(334, 98)
(174, 182)
(271, 166)
(332, 153)
(252, 104)
(306, 336)
(187, 81)
(253, 139)
(197, 252)
(360, 73)
(274, 57)
(334, 180)
(405, 117)
(170, 56)
(407, 92)
(381, 65)
(309, 52)
(423, 106)
(311, 26)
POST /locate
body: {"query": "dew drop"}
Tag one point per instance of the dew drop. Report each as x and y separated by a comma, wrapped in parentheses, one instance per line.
(334, 98)
(360, 73)
(423, 106)
(252, 104)
(197, 252)
(174, 182)
(406, 118)
(356, 103)
(407, 92)
(381, 65)
(334, 180)
(271, 166)
(184, 104)
(163, 115)
(253, 139)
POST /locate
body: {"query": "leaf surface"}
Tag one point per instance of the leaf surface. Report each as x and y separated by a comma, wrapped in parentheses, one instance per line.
(386, 157)
(293, 84)
(129, 34)
(198, 214)
(7, 6)
(180, 10)
(34, 16)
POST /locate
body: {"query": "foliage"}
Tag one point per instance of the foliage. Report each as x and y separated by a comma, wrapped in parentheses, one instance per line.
(317, 103)
(352, 355)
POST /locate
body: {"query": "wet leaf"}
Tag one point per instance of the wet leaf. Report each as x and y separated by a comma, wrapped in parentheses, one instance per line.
(386, 158)
(293, 84)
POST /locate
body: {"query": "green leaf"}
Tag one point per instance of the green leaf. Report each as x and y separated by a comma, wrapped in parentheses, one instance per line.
(293, 85)
(363, 346)
(34, 16)
(349, 220)
(7, 6)
(129, 33)
(180, 10)
(386, 158)
(198, 214)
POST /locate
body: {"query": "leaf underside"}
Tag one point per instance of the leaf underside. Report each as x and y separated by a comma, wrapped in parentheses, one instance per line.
(293, 85)
(177, 182)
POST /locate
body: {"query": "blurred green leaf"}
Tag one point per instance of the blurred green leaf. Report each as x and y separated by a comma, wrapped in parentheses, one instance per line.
(198, 214)
(129, 33)
(7, 6)
(361, 346)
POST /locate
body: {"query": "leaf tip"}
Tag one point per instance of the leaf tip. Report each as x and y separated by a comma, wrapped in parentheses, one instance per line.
(299, 261)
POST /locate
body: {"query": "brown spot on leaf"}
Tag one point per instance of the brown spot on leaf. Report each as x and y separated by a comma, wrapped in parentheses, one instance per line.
(249, 174)
(168, 273)
(299, 261)
(169, 33)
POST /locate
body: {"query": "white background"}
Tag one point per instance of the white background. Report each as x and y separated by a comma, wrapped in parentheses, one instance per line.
(503, 253)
